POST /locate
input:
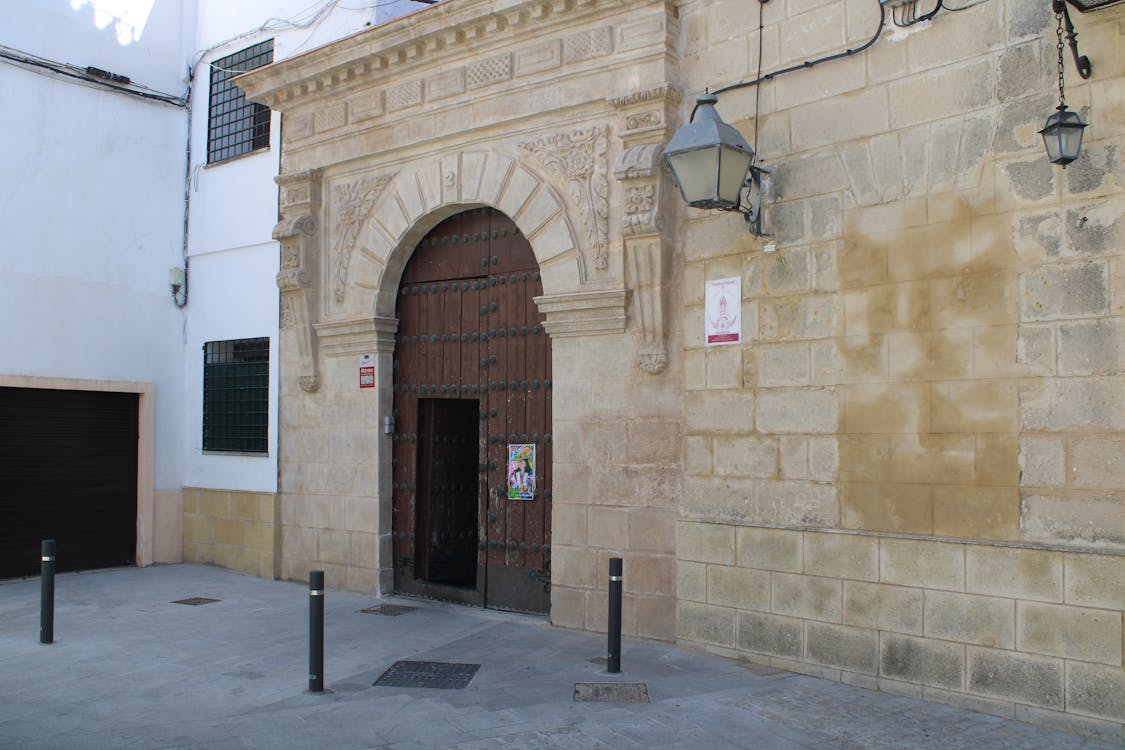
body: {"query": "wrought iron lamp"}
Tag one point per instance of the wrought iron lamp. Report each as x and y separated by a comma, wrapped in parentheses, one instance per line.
(713, 165)
(1062, 135)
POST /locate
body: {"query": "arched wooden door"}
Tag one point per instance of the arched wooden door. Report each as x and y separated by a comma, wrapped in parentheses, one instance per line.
(472, 389)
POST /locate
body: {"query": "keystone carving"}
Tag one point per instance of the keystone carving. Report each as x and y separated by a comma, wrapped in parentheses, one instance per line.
(579, 158)
(295, 281)
(354, 202)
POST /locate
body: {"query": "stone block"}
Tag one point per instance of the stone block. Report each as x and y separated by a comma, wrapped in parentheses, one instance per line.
(652, 442)
(741, 588)
(770, 634)
(796, 503)
(850, 359)
(1014, 572)
(975, 406)
(1097, 462)
(1042, 462)
(807, 596)
(863, 259)
(883, 506)
(887, 307)
(691, 581)
(853, 649)
(718, 411)
(886, 408)
(573, 566)
(840, 119)
(1074, 403)
(704, 623)
(865, 458)
(930, 251)
(745, 456)
(976, 299)
(655, 617)
(1069, 517)
(1065, 291)
(244, 505)
(883, 607)
(1078, 633)
(797, 411)
(977, 512)
(824, 459)
(719, 498)
(922, 660)
(568, 524)
(1095, 347)
(607, 527)
(568, 607)
(259, 536)
(697, 455)
(915, 562)
(333, 546)
(705, 542)
(850, 556)
(1016, 677)
(652, 530)
(967, 618)
(803, 318)
(1095, 690)
(1024, 182)
(938, 355)
(228, 531)
(933, 459)
(1095, 580)
(214, 503)
(783, 364)
(724, 367)
(770, 549)
(793, 457)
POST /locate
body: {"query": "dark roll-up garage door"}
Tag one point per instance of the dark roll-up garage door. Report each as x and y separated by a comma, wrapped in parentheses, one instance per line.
(68, 471)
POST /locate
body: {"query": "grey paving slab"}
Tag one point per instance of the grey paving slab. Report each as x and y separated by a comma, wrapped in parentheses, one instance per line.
(131, 669)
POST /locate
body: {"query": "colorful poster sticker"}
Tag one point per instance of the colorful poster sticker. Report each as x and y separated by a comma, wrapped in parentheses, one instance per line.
(723, 311)
(521, 471)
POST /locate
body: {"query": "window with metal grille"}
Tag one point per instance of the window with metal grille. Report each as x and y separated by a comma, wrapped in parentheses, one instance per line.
(234, 125)
(236, 380)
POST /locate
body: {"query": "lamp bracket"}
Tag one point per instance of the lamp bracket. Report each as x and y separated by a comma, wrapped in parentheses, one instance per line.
(756, 187)
(1081, 62)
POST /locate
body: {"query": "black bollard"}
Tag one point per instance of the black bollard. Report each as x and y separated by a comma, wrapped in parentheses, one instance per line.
(47, 593)
(613, 657)
(316, 631)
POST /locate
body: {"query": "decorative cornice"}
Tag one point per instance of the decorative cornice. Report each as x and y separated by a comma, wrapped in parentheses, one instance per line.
(664, 92)
(410, 41)
(584, 313)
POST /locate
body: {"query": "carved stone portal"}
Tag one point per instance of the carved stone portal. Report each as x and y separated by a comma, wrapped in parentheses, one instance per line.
(297, 279)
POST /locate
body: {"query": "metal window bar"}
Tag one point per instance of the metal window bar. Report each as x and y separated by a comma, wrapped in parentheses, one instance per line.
(236, 395)
(234, 125)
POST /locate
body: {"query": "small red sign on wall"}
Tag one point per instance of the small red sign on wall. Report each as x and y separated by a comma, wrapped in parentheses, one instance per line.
(367, 371)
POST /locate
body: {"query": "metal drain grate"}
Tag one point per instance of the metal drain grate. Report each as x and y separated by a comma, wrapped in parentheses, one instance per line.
(611, 692)
(428, 674)
(390, 610)
(195, 601)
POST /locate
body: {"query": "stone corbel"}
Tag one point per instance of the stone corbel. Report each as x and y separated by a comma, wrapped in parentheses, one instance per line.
(638, 170)
(296, 282)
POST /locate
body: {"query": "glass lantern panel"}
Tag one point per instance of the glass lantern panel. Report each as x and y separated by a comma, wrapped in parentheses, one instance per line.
(732, 174)
(695, 173)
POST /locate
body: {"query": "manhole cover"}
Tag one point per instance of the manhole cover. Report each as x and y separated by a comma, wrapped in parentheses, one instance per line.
(611, 692)
(195, 601)
(390, 610)
(428, 674)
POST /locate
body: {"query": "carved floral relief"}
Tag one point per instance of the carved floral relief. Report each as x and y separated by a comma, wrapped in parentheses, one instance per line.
(353, 203)
(579, 158)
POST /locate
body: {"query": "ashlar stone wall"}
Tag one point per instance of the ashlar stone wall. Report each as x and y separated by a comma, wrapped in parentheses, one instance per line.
(908, 476)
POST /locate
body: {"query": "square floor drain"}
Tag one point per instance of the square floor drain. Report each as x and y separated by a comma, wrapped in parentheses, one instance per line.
(195, 601)
(611, 692)
(390, 610)
(428, 674)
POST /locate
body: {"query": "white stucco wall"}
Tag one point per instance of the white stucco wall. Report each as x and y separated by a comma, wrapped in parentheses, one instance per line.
(92, 202)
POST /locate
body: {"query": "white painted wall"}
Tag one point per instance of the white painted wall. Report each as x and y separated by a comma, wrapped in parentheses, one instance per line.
(233, 260)
(91, 198)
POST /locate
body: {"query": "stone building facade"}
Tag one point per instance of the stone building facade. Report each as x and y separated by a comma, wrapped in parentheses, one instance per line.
(907, 476)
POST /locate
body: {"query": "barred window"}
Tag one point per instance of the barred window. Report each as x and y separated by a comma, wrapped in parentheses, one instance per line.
(236, 395)
(234, 125)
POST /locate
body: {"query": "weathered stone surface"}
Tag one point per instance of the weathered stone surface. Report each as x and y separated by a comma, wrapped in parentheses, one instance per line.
(797, 411)
(770, 634)
(806, 596)
(705, 623)
(770, 549)
(908, 562)
(853, 649)
(1014, 572)
(705, 542)
(966, 618)
(1065, 291)
(1094, 580)
(1095, 690)
(1070, 632)
(923, 661)
(741, 588)
(1016, 677)
(843, 555)
(883, 607)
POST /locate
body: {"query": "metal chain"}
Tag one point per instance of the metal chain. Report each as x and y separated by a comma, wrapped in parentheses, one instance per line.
(1062, 98)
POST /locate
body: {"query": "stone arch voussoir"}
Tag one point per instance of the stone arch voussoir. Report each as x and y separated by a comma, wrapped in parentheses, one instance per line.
(421, 196)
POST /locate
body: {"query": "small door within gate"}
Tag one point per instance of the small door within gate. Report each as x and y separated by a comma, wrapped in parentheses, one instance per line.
(472, 400)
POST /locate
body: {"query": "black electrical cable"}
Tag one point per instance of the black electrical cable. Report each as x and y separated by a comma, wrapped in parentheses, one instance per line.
(80, 74)
(809, 63)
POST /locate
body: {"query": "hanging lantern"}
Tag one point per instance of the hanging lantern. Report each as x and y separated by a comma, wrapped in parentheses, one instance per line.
(1062, 135)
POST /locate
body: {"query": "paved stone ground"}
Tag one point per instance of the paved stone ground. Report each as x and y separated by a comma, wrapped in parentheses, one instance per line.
(130, 669)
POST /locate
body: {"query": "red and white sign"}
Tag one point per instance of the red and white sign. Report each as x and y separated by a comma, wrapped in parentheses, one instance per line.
(367, 371)
(723, 311)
